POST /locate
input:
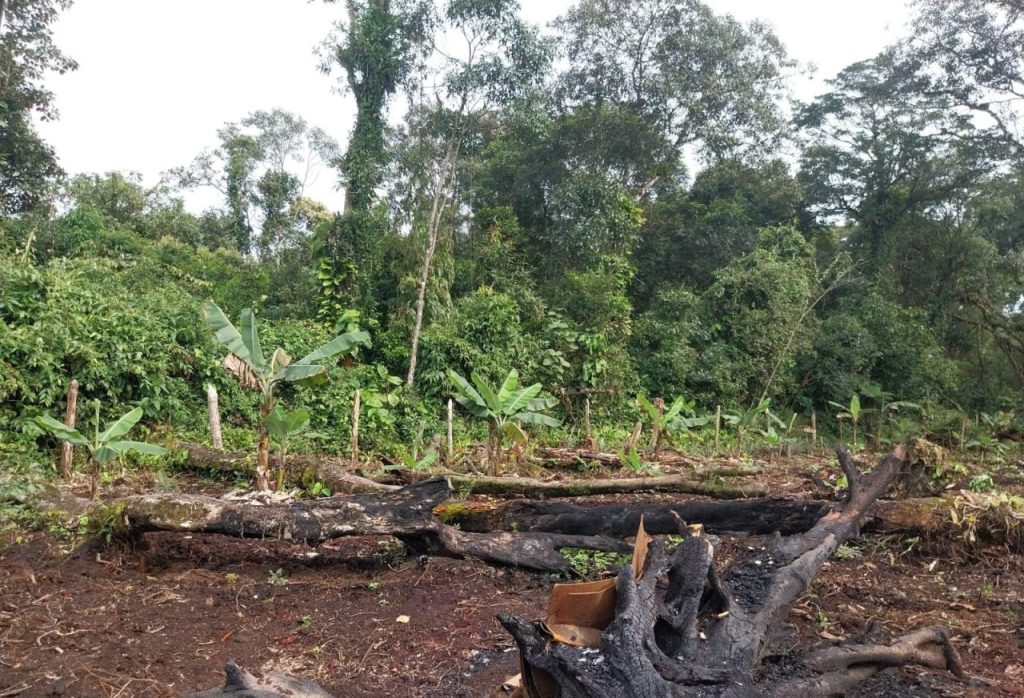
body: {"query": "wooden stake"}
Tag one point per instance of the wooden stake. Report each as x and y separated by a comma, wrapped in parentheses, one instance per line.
(69, 420)
(588, 437)
(814, 429)
(963, 432)
(659, 406)
(355, 427)
(213, 407)
(718, 424)
(451, 441)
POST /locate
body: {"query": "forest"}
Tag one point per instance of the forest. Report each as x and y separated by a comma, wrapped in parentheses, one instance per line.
(582, 272)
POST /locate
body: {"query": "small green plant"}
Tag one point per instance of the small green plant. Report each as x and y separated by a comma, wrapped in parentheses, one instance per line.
(254, 370)
(230, 577)
(848, 552)
(276, 578)
(591, 564)
(105, 446)
(982, 483)
(504, 409)
(319, 489)
(749, 421)
(679, 417)
(305, 622)
(851, 412)
(632, 460)
(284, 426)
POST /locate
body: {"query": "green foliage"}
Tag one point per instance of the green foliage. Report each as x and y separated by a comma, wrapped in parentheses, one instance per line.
(104, 446)
(504, 409)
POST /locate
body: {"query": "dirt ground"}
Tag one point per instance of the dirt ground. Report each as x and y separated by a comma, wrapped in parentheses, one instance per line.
(82, 619)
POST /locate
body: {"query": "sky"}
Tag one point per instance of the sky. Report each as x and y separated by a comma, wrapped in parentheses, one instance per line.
(157, 78)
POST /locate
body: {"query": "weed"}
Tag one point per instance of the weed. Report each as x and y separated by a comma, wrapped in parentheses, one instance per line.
(276, 578)
(591, 564)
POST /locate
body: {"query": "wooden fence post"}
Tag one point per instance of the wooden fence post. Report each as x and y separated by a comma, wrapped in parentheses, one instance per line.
(213, 407)
(69, 420)
(718, 425)
(814, 429)
(355, 428)
(659, 406)
(451, 441)
(588, 437)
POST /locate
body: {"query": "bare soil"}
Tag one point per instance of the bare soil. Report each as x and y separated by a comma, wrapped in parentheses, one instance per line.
(83, 619)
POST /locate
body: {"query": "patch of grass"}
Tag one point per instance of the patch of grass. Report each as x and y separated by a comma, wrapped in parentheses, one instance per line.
(593, 564)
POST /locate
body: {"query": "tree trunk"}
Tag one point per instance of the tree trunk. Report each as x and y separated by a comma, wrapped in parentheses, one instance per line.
(706, 635)
(438, 205)
(523, 486)
(213, 407)
(406, 514)
(70, 411)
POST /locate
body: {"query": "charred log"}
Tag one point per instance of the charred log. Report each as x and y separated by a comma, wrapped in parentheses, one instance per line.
(406, 514)
(707, 636)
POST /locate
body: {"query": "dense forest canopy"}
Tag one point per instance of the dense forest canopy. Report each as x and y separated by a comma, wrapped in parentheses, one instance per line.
(607, 205)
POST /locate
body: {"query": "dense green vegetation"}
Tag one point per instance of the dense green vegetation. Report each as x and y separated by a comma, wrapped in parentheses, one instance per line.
(602, 206)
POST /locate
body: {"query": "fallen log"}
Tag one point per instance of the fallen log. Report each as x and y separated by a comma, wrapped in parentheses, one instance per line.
(706, 634)
(573, 456)
(529, 487)
(331, 472)
(932, 518)
(744, 517)
(406, 514)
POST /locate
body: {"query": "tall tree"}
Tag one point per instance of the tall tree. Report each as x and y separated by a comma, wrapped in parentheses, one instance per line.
(27, 54)
(703, 80)
(487, 57)
(376, 47)
(883, 147)
(974, 51)
(261, 168)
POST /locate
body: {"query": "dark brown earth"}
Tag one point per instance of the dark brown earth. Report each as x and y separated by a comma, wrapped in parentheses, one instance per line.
(80, 619)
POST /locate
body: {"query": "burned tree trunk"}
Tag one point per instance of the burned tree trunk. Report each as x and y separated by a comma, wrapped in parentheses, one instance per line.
(406, 514)
(706, 635)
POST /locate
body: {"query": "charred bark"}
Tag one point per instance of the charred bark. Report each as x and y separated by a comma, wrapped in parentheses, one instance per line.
(706, 636)
(406, 514)
(239, 683)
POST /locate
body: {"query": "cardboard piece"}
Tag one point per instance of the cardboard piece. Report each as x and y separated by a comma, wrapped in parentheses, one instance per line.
(578, 614)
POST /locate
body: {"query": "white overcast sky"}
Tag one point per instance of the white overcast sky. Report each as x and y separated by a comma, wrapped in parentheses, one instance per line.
(157, 78)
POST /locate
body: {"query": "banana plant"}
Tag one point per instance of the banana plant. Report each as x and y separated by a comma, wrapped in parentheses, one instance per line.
(681, 416)
(283, 427)
(749, 421)
(852, 412)
(105, 446)
(504, 409)
(254, 370)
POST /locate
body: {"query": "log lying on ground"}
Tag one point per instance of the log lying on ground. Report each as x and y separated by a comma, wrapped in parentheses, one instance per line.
(529, 487)
(574, 456)
(706, 635)
(405, 514)
(331, 472)
(929, 518)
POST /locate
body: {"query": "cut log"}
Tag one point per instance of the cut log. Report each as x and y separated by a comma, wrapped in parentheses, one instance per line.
(745, 517)
(529, 487)
(930, 518)
(331, 472)
(406, 514)
(574, 456)
(706, 635)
